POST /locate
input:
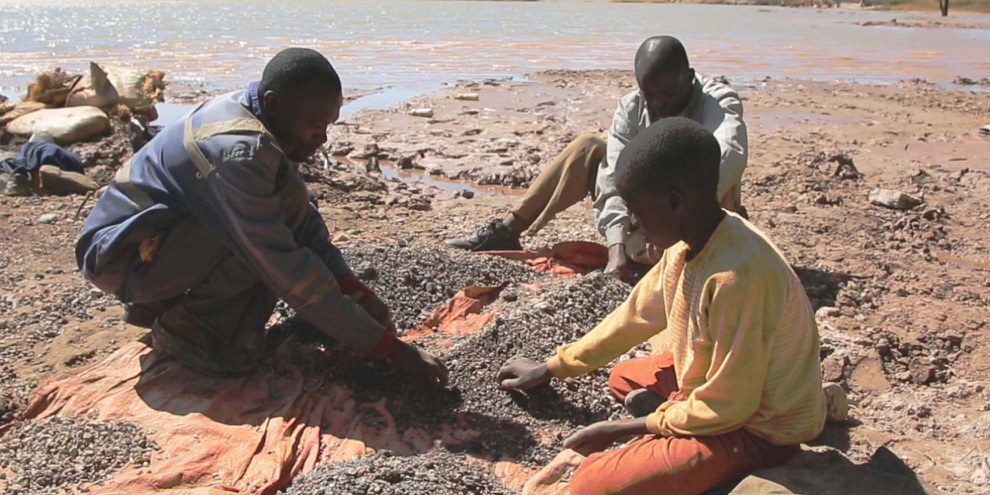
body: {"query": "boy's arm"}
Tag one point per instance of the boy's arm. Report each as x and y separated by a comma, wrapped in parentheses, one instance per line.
(640, 317)
(738, 317)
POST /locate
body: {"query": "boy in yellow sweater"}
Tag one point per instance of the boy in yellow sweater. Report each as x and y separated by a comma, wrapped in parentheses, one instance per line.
(741, 387)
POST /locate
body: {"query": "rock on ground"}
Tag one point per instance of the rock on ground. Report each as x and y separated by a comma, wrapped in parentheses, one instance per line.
(65, 125)
(896, 200)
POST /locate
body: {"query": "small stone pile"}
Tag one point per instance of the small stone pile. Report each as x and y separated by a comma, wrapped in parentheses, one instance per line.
(415, 279)
(50, 454)
(436, 473)
(560, 313)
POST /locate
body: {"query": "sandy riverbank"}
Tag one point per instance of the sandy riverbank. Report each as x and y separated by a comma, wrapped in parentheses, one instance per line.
(909, 289)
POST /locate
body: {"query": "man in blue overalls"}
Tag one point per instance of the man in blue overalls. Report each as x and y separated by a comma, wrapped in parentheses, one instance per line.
(209, 224)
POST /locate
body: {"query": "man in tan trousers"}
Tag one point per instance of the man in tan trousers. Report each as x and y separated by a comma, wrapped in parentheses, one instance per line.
(668, 86)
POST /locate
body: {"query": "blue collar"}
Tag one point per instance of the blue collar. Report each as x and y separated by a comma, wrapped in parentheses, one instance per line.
(254, 98)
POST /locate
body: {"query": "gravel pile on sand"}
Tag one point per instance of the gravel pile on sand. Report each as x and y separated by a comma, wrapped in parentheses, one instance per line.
(436, 473)
(413, 280)
(53, 453)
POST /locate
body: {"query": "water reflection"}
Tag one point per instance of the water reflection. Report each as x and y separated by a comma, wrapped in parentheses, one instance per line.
(223, 43)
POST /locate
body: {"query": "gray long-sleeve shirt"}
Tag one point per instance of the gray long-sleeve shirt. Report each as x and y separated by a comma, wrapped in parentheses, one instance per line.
(713, 105)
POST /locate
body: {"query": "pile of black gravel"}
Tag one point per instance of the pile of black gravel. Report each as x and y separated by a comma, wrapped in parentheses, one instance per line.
(559, 313)
(50, 454)
(536, 313)
(435, 473)
(415, 279)
(532, 324)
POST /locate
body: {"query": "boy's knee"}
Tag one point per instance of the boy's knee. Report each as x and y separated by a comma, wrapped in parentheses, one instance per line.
(619, 380)
(589, 478)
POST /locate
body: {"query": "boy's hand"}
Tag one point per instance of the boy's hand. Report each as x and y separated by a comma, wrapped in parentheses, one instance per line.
(521, 373)
(602, 435)
(419, 365)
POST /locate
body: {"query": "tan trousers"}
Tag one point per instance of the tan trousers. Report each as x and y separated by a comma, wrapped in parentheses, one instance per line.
(570, 178)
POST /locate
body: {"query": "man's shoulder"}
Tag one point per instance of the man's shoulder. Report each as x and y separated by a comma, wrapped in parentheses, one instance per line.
(716, 86)
(632, 99)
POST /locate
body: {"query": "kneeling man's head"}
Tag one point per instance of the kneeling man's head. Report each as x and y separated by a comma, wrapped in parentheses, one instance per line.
(670, 178)
(301, 93)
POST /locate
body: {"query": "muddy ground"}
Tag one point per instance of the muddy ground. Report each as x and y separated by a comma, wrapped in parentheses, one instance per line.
(902, 295)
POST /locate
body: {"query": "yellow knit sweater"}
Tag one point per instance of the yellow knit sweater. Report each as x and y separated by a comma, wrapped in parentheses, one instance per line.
(744, 339)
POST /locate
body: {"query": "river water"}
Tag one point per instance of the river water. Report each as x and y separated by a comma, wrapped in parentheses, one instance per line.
(420, 44)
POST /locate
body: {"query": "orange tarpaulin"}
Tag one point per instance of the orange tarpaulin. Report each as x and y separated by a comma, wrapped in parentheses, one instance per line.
(461, 314)
(245, 435)
(565, 258)
(251, 435)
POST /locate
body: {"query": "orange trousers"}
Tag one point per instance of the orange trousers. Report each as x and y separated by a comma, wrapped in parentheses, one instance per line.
(677, 465)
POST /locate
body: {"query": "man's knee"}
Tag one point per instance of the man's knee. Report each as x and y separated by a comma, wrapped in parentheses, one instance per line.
(591, 142)
(223, 353)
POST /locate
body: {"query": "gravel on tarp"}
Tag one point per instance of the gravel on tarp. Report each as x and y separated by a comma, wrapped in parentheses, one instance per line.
(415, 279)
(48, 455)
(510, 425)
(435, 473)
(557, 314)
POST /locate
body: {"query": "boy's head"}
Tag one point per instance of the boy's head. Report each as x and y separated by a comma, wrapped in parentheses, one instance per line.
(664, 75)
(302, 96)
(670, 177)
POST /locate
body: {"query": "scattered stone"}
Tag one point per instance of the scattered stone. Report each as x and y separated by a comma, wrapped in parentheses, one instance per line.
(367, 272)
(421, 112)
(369, 151)
(719, 78)
(922, 370)
(62, 182)
(467, 97)
(845, 169)
(896, 200)
(827, 312)
(406, 163)
(834, 368)
(48, 218)
(985, 131)
(51, 454)
(968, 81)
(467, 194)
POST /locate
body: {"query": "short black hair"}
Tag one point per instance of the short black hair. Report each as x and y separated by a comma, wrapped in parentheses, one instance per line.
(658, 55)
(675, 152)
(295, 68)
